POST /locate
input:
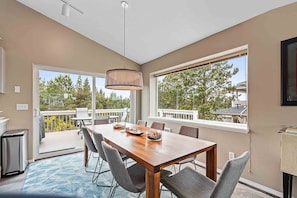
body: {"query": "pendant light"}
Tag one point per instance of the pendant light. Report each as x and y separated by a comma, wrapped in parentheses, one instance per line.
(124, 79)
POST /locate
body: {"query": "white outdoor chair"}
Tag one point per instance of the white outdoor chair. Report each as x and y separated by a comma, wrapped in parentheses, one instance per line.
(82, 113)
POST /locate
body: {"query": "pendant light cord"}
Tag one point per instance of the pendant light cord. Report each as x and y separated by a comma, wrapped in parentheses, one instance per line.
(125, 5)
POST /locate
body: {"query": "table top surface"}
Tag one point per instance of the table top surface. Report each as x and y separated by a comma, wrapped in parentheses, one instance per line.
(152, 154)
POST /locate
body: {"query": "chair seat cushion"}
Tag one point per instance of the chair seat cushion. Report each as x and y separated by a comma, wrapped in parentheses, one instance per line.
(165, 173)
(188, 183)
(137, 174)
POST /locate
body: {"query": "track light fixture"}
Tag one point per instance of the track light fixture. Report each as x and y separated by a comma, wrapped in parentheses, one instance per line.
(66, 8)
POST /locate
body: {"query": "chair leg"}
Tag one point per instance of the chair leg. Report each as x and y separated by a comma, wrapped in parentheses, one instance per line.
(113, 190)
(179, 167)
(94, 178)
(89, 171)
(174, 168)
(195, 165)
(101, 172)
(139, 194)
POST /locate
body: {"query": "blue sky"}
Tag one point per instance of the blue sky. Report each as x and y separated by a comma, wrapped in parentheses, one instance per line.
(240, 63)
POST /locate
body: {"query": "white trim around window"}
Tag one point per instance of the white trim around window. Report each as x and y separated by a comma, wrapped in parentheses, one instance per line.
(221, 126)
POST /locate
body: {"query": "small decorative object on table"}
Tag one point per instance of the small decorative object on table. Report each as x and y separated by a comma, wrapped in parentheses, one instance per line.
(119, 125)
(154, 135)
(134, 131)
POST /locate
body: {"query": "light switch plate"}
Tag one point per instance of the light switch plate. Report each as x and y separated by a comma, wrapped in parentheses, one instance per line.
(17, 89)
(22, 107)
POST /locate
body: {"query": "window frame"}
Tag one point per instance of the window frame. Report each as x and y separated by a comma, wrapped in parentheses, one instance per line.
(224, 126)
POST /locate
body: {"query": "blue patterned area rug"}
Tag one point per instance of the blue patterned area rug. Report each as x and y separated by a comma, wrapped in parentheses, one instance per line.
(66, 175)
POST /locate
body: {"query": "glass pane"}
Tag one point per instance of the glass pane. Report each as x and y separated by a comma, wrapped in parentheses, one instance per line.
(60, 95)
(212, 92)
(112, 103)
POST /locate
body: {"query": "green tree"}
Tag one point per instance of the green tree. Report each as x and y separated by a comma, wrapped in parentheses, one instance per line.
(117, 102)
(101, 100)
(55, 94)
(205, 89)
(83, 93)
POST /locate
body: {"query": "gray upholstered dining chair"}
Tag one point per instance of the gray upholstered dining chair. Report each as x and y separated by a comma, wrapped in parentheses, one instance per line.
(98, 139)
(91, 147)
(101, 120)
(132, 178)
(141, 122)
(158, 125)
(189, 184)
(191, 132)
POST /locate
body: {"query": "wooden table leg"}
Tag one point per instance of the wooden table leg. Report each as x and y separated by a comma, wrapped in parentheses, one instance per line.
(85, 154)
(152, 181)
(211, 163)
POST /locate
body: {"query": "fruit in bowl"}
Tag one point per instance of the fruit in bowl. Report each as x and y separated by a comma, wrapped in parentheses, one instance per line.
(119, 126)
(154, 135)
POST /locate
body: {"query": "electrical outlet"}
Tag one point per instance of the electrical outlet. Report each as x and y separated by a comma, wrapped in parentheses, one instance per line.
(21, 107)
(231, 155)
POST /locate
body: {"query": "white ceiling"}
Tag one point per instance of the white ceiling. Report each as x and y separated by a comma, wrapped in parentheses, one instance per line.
(153, 27)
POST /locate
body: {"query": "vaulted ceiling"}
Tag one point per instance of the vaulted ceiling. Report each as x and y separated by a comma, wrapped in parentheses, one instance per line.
(153, 27)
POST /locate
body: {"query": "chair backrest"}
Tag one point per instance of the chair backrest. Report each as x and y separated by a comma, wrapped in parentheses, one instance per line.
(88, 140)
(82, 112)
(101, 120)
(98, 138)
(125, 115)
(158, 125)
(141, 122)
(230, 176)
(189, 131)
(118, 169)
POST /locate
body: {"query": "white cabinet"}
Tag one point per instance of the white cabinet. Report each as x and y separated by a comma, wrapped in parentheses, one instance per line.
(2, 70)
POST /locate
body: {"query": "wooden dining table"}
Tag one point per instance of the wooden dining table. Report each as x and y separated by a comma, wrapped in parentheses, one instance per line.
(156, 155)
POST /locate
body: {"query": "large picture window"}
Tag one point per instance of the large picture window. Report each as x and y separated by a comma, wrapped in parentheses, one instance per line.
(215, 89)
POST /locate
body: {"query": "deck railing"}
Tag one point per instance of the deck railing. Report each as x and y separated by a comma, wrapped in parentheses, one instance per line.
(179, 114)
(62, 120)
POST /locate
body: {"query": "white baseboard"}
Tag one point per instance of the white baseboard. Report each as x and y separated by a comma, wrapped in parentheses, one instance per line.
(261, 187)
(252, 184)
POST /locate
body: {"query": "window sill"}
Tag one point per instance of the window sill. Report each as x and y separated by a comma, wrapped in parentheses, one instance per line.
(222, 126)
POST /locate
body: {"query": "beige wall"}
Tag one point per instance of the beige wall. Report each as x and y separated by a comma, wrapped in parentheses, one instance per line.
(263, 35)
(31, 38)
